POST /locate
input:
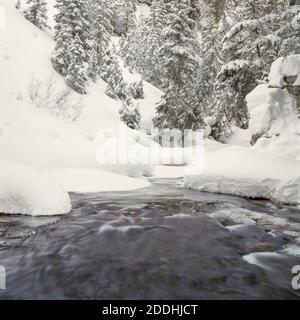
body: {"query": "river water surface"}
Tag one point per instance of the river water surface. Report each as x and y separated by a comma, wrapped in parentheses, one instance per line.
(163, 242)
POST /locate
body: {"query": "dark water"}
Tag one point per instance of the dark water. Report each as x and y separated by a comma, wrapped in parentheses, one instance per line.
(163, 242)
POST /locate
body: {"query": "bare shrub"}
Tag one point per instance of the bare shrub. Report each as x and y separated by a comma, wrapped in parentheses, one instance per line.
(63, 103)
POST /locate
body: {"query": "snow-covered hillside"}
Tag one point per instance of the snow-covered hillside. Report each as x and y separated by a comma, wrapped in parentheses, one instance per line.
(36, 138)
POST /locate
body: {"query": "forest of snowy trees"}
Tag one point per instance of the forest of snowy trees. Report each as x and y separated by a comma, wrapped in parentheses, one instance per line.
(205, 55)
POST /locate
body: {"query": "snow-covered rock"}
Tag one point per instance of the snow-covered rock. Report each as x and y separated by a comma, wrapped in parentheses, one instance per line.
(24, 190)
(274, 110)
(283, 68)
(248, 173)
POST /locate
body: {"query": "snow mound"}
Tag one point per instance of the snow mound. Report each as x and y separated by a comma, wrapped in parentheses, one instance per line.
(24, 190)
(88, 180)
(246, 172)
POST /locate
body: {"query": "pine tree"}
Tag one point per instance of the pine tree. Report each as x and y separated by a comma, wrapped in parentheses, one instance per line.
(101, 29)
(156, 23)
(77, 71)
(289, 31)
(175, 110)
(250, 37)
(128, 15)
(211, 27)
(124, 16)
(71, 19)
(141, 45)
(231, 89)
(249, 48)
(136, 89)
(36, 13)
(132, 47)
(130, 114)
(111, 72)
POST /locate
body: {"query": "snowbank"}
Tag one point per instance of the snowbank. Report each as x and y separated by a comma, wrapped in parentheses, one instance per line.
(248, 173)
(88, 180)
(24, 190)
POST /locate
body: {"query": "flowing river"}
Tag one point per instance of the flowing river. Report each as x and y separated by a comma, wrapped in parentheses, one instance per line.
(163, 242)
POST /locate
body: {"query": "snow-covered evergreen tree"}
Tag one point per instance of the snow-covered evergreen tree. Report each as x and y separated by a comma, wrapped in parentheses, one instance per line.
(289, 31)
(132, 47)
(175, 110)
(140, 47)
(77, 77)
(212, 26)
(231, 89)
(130, 114)
(36, 13)
(155, 24)
(249, 48)
(251, 37)
(101, 29)
(124, 16)
(136, 89)
(111, 73)
(72, 19)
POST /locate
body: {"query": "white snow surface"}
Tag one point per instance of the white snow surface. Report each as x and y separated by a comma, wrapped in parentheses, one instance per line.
(91, 180)
(249, 173)
(24, 190)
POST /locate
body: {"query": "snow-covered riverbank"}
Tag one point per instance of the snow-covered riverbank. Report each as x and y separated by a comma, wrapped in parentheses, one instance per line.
(249, 173)
(271, 168)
